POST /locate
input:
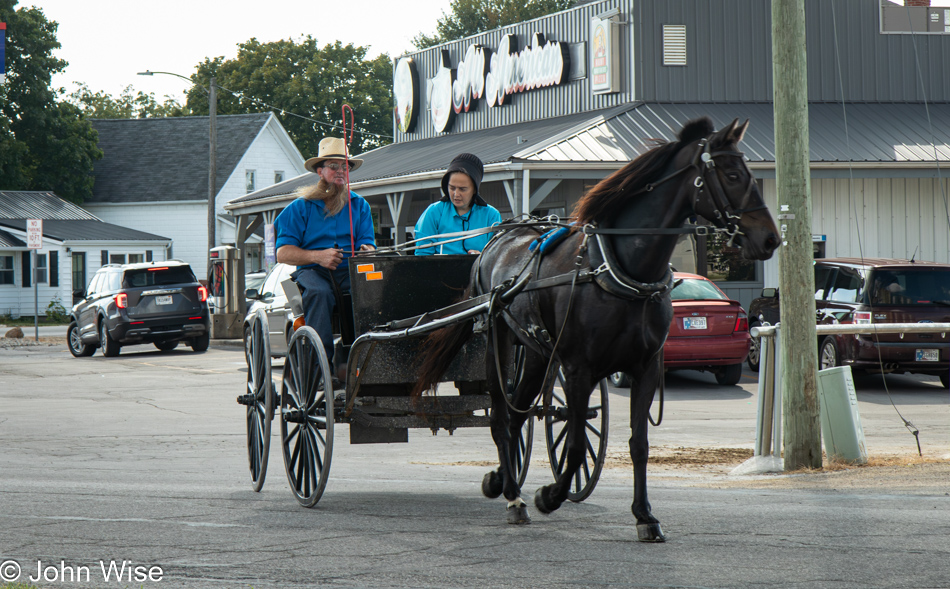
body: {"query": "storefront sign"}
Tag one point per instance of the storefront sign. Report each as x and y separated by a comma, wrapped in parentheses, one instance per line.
(493, 76)
(406, 94)
(439, 94)
(605, 56)
(541, 64)
(469, 85)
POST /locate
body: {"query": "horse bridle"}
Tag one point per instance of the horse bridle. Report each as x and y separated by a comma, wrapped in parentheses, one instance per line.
(725, 216)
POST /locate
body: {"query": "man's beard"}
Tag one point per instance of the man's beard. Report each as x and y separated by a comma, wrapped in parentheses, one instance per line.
(333, 195)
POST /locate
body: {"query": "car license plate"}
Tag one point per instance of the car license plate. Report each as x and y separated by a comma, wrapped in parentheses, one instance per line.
(694, 323)
(163, 300)
(928, 355)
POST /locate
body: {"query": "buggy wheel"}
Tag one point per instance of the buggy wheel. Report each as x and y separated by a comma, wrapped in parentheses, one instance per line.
(595, 439)
(306, 416)
(526, 435)
(259, 398)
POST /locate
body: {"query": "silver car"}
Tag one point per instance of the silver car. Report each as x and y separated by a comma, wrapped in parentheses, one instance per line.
(271, 298)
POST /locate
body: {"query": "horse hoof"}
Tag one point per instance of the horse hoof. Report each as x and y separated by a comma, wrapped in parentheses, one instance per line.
(650, 533)
(541, 504)
(518, 514)
(492, 485)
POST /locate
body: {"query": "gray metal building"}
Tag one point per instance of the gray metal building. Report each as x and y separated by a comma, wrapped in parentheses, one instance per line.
(602, 80)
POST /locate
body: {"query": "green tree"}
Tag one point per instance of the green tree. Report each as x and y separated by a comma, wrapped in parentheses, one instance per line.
(469, 17)
(100, 105)
(45, 143)
(307, 86)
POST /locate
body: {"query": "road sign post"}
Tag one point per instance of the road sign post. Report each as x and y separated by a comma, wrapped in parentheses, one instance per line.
(34, 241)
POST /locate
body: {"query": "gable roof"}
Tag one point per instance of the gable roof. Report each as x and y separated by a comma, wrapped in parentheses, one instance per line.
(84, 230)
(30, 204)
(166, 159)
(62, 220)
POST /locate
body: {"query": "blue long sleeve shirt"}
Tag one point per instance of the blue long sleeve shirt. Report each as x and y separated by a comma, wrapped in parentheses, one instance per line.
(441, 217)
(304, 224)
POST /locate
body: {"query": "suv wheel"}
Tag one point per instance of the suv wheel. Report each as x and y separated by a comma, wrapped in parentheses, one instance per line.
(620, 379)
(166, 346)
(76, 347)
(755, 349)
(828, 354)
(201, 343)
(729, 375)
(109, 346)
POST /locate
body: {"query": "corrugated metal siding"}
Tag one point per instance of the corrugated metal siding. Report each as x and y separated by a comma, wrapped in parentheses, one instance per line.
(876, 218)
(574, 96)
(729, 44)
(885, 218)
(728, 47)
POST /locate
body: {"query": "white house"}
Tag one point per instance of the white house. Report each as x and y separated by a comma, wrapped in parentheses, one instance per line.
(75, 245)
(153, 176)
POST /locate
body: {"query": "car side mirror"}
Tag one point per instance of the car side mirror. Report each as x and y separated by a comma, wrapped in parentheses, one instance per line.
(252, 293)
(770, 293)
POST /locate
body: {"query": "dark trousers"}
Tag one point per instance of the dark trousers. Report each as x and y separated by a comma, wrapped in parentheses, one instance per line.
(319, 299)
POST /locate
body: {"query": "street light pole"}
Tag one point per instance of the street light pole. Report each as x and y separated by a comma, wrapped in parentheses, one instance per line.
(212, 151)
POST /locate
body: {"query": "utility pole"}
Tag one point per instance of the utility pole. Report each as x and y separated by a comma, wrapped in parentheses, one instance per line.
(212, 163)
(802, 443)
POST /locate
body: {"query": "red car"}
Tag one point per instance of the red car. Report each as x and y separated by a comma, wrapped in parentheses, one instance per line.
(710, 331)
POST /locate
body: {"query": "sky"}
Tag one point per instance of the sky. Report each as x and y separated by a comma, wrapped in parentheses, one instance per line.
(106, 42)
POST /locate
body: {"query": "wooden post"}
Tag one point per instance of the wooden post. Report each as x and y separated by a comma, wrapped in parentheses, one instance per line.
(802, 441)
(212, 165)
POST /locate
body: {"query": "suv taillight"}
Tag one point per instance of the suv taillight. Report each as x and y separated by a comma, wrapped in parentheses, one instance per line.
(202, 294)
(742, 323)
(862, 318)
(122, 300)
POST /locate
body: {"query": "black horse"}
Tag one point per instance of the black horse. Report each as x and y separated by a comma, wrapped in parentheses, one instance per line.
(603, 303)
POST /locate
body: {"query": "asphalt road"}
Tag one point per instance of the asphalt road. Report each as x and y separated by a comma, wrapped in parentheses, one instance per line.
(142, 459)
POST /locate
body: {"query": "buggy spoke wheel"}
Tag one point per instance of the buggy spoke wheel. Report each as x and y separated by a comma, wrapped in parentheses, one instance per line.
(260, 399)
(595, 439)
(525, 440)
(306, 416)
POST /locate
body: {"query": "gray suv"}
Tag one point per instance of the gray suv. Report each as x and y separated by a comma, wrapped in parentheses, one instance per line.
(160, 303)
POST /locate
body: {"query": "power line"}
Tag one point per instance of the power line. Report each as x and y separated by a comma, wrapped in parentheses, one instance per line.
(286, 113)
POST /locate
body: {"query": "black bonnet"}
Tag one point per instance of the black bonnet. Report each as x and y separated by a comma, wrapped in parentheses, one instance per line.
(472, 167)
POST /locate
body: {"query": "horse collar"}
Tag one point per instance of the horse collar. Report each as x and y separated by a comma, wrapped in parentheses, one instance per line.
(609, 275)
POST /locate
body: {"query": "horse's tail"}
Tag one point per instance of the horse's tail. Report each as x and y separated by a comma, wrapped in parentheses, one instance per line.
(438, 350)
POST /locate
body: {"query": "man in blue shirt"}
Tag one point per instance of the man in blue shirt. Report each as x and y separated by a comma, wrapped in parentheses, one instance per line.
(460, 209)
(314, 234)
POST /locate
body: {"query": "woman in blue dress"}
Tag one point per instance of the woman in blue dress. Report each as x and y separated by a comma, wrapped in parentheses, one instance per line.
(461, 208)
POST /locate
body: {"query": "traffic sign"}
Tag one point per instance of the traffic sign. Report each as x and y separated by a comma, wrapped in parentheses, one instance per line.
(34, 234)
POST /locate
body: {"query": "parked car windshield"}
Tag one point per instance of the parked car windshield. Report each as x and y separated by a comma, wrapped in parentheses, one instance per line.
(160, 276)
(692, 289)
(909, 287)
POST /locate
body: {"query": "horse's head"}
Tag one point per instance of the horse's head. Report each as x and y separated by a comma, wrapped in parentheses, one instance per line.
(729, 195)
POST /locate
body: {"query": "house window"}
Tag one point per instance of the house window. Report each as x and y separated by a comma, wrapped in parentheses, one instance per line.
(249, 181)
(136, 258)
(79, 274)
(6, 269)
(278, 177)
(674, 44)
(41, 275)
(116, 258)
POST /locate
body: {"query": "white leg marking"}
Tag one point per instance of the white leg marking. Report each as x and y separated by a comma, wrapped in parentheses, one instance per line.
(516, 502)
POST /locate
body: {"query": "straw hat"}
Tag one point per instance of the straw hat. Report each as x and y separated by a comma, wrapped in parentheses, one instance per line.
(331, 148)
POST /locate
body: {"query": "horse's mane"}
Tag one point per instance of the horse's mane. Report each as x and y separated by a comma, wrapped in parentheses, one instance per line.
(602, 201)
